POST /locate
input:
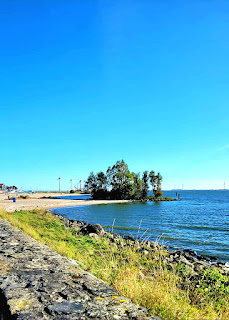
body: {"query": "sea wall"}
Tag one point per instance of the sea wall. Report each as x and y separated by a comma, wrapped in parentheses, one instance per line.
(38, 283)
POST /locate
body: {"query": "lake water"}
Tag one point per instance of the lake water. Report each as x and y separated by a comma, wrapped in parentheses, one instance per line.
(200, 221)
(74, 197)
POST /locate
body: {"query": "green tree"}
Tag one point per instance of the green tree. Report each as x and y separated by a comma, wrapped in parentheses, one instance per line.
(100, 189)
(119, 178)
(101, 180)
(145, 186)
(120, 183)
(158, 191)
(90, 183)
(155, 181)
(152, 180)
(136, 192)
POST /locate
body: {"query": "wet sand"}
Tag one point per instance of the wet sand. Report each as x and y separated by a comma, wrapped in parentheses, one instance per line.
(36, 201)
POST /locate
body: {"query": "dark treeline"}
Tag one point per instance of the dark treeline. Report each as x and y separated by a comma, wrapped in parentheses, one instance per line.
(119, 183)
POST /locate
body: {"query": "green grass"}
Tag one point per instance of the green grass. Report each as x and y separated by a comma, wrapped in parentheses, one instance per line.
(169, 292)
(153, 198)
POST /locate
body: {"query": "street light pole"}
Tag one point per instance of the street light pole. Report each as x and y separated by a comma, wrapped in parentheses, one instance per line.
(59, 183)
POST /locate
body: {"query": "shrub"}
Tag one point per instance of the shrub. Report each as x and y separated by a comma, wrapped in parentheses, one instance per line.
(158, 194)
(24, 196)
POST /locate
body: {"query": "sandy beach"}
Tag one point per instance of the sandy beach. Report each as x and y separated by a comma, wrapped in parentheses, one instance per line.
(36, 201)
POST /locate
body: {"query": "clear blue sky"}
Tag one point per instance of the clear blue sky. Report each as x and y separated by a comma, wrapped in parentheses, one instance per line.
(86, 83)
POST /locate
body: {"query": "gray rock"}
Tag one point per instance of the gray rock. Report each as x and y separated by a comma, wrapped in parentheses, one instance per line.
(93, 236)
(38, 283)
(92, 228)
(65, 308)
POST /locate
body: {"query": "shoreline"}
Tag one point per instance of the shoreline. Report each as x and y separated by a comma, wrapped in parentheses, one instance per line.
(41, 200)
(49, 285)
(187, 254)
(181, 265)
(49, 200)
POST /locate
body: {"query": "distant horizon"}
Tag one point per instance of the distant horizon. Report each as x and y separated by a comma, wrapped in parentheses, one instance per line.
(62, 191)
(66, 182)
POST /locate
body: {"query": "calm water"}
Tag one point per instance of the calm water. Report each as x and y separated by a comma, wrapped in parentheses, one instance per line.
(74, 197)
(200, 221)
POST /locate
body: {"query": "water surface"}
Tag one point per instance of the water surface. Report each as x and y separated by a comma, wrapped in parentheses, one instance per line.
(200, 221)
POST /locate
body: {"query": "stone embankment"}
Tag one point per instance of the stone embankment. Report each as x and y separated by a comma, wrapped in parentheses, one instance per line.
(37, 283)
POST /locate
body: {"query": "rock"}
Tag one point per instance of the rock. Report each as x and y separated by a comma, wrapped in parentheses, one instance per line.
(128, 238)
(116, 235)
(213, 258)
(198, 267)
(38, 283)
(189, 257)
(93, 236)
(185, 261)
(190, 252)
(92, 228)
(65, 308)
(170, 258)
(75, 226)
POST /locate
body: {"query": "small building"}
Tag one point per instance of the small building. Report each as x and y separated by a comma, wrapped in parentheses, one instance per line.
(2, 187)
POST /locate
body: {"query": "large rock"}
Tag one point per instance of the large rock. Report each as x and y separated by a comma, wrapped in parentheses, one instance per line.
(92, 228)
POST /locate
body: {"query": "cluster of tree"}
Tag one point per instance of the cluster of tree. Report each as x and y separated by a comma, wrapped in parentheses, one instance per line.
(119, 183)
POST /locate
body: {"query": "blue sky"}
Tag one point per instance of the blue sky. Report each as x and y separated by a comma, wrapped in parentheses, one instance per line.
(86, 83)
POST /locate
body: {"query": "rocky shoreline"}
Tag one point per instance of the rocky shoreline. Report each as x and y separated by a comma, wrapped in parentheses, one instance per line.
(195, 263)
(38, 283)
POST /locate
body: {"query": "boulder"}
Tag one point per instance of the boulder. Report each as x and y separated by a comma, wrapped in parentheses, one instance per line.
(128, 238)
(93, 235)
(92, 228)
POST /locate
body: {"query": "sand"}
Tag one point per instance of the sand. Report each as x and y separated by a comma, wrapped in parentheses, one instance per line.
(37, 202)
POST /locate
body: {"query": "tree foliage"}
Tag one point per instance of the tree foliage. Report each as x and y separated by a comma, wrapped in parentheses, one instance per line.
(155, 181)
(119, 183)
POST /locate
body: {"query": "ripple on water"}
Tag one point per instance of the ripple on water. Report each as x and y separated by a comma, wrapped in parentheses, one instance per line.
(200, 221)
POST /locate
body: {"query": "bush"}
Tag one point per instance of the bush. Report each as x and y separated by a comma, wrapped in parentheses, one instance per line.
(72, 191)
(24, 196)
(158, 194)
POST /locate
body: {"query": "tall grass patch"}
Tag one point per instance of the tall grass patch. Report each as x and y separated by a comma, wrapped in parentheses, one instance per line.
(147, 279)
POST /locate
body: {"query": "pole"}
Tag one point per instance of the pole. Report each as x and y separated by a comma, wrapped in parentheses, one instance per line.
(59, 183)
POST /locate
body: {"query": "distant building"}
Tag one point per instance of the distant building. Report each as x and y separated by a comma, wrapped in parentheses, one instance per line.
(2, 187)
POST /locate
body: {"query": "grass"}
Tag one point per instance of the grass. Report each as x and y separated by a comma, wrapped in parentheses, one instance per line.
(153, 198)
(169, 292)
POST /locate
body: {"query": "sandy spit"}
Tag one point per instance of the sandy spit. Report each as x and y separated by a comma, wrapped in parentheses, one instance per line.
(36, 201)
